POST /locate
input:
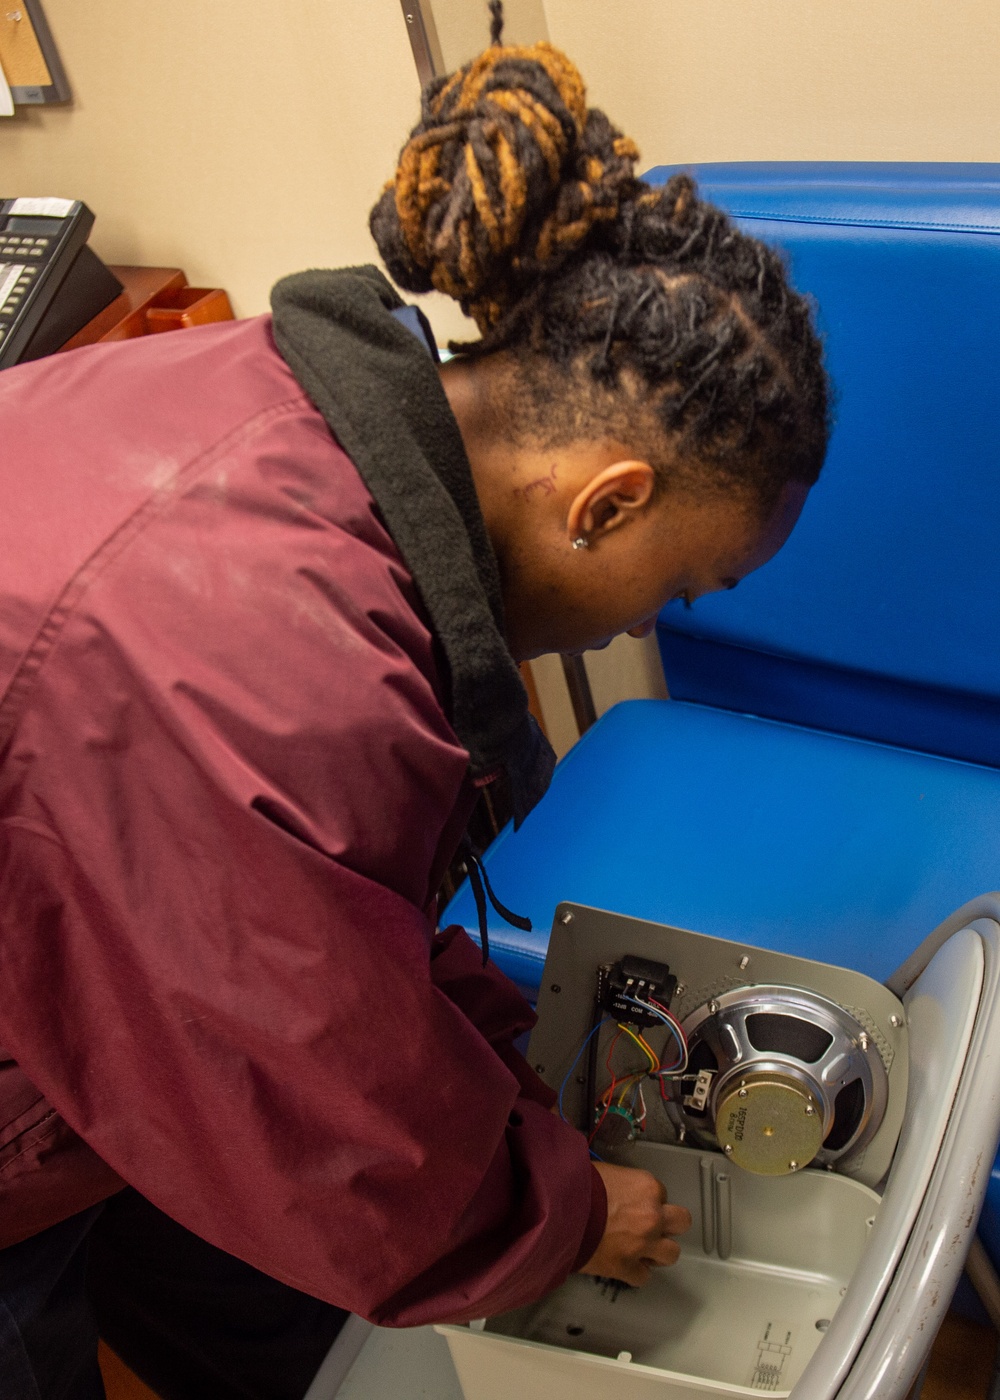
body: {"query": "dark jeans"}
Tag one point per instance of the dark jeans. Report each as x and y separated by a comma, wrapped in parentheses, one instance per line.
(192, 1322)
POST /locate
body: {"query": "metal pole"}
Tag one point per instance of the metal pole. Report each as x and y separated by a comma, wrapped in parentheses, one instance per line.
(580, 695)
(423, 36)
(577, 683)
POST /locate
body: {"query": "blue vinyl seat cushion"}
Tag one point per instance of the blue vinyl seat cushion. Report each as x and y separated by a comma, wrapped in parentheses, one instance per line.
(810, 843)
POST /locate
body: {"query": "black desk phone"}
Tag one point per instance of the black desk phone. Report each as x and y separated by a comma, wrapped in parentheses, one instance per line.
(51, 283)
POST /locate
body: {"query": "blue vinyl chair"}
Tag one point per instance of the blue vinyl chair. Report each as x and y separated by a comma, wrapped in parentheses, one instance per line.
(825, 779)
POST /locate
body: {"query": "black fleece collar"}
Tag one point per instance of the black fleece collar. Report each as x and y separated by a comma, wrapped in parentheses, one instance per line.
(381, 396)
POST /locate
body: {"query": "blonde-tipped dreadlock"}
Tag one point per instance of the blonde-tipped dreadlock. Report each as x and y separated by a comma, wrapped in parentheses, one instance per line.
(505, 174)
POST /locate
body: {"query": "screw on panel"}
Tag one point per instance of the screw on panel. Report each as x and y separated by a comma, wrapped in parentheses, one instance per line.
(723, 1215)
(742, 1093)
(539, 1069)
(793, 1166)
(680, 989)
(713, 1006)
(744, 963)
(728, 1150)
(896, 1021)
(555, 987)
(863, 1040)
(566, 918)
(809, 1110)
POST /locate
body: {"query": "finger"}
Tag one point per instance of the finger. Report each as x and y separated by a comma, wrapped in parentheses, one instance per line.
(676, 1220)
(664, 1253)
(663, 1193)
(637, 1272)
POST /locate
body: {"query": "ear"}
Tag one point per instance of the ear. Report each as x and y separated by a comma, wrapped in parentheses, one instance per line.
(617, 494)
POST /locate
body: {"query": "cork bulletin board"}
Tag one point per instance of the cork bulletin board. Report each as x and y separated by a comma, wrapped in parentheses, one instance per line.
(28, 55)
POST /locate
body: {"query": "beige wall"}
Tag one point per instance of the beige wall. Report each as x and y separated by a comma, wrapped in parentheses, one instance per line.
(243, 139)
(699, 80)
(462, 26)
(239, 139)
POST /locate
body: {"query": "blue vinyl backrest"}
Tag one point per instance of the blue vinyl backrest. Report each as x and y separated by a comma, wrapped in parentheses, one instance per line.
(881, 616)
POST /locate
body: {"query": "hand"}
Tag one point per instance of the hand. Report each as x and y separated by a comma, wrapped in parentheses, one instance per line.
(640, 1224)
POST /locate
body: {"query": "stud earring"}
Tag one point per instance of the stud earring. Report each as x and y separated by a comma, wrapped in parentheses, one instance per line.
(581, 542)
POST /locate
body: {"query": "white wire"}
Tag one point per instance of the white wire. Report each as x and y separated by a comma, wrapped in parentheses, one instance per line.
(675, 1031)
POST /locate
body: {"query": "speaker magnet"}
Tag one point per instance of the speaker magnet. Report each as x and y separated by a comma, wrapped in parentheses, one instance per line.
(770, 1124)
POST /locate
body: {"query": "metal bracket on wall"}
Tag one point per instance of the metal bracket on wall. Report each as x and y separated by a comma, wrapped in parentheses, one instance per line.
(423, 39)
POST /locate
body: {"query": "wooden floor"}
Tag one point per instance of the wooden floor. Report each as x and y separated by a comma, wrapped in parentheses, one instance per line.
(961, 1366)
(961, 1362)
(119, 1381)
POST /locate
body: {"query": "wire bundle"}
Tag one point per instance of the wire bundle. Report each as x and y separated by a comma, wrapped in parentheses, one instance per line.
(624, 1093)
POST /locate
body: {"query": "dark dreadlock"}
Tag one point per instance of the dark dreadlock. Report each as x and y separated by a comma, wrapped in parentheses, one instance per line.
(630, 313)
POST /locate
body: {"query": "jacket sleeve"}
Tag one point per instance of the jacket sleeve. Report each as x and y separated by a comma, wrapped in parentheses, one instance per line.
(495, 1006)
(219, 812)
(298, 1092)
(492, 1003)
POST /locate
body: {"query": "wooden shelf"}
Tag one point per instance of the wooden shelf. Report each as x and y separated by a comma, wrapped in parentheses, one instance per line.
(154, 299)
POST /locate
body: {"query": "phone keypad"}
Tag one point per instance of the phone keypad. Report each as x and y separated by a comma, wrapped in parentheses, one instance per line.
(23, 247)
(17, 293)
(23, 258)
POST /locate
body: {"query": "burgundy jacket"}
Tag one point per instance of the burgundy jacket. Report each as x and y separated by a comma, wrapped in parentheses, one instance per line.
(231, 778)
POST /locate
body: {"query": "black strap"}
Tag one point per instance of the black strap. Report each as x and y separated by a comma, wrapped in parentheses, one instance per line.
(481, 889)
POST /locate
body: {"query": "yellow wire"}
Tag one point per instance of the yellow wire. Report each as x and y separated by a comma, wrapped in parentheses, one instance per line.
(653, 1061)
(630, 1082)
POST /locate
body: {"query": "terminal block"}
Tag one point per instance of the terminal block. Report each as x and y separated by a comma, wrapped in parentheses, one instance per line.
(623, 988)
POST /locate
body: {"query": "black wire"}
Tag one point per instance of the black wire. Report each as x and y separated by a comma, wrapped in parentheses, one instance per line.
(473, 867)
(590, 1095)
(481, 888)
(520, 921)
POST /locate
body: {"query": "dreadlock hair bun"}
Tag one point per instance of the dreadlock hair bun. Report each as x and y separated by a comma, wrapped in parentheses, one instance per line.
(504, 176)
(620, 312)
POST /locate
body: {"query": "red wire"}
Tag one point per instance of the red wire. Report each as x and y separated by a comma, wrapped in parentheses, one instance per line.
(671, 1017)
(611, 1051)
(608, 1094)
(680, 1031)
